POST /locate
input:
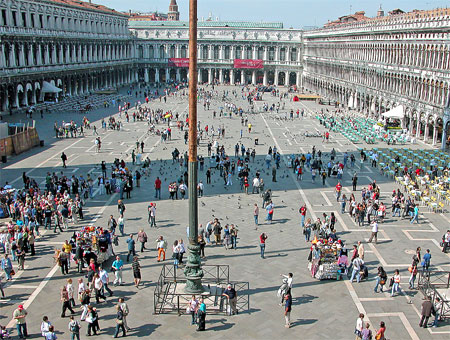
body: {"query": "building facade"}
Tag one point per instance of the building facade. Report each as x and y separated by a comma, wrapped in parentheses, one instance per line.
(376, 64)
(228, 52)
(76, 46)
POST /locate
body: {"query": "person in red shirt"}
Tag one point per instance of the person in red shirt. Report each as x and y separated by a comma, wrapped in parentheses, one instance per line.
(338, 191)
(262, 243)
(327, 136)
(157, 188)
(303, 214)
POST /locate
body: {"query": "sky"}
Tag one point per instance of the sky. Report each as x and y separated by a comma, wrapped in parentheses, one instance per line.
(292, 13)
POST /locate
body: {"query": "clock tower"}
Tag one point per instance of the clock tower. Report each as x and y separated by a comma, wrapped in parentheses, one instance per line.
(173, 14)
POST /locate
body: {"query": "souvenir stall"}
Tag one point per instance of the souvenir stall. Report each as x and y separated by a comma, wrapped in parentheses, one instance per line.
(328, 267)
(95, 238)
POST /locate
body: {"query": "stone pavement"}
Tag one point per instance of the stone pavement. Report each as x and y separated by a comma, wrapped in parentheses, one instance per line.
(321, 310)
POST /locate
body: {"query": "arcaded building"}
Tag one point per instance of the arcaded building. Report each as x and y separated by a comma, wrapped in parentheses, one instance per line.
(375, 64)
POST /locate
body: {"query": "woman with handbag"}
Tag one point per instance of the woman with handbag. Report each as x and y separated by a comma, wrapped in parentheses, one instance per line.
(380, 333)
(119, 323)
(381, 279)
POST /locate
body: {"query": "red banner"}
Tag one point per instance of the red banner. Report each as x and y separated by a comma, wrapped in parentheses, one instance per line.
(178, 62)
(248, 63)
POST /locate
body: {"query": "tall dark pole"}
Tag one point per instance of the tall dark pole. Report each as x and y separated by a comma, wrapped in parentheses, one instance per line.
(193, 270)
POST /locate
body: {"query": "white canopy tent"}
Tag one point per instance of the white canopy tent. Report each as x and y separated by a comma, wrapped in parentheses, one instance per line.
(397, 112)
(48, 88)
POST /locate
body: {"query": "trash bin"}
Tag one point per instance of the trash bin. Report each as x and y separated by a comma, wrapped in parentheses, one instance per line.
(4, 159)
(41, 143)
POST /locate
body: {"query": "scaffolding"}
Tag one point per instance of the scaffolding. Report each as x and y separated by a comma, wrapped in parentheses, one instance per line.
(170, 298)
(436, 284)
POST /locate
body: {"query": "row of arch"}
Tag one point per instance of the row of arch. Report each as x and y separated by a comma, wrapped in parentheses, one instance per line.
(224, 76)
(15, 54)
(431, 91)
(420, 122)
(28, 93)
(219, 52)
(435, 56)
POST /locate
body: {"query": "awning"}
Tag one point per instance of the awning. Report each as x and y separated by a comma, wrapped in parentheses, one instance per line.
(50, 88)
(397, 112)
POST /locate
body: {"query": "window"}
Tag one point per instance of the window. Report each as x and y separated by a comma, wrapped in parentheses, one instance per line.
(172, 52)
(293, 54)
(41, 20)
(151, 52)
(271, 54)
(205, 52)
(183, 52)
(260, 53)
(227, 52)
(13, 14)
(4, 18)
(63, 27)
(56, 23)
(283, 54)
(141, 52)
(249, 53)
(162, 53)
(69, 24)
(238, 53)
(24, 19)
(33, 24)
(216, 52)
(48, 21)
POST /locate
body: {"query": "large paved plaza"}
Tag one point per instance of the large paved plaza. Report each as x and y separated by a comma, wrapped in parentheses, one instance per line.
(321, 309)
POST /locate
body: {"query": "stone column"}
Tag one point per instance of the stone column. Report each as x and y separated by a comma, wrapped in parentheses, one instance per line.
(418, 128)
(299, 79)
(199, 74)
(255, 51)
(30, 55)
(242, 76)
(12, 56)
(146, 75)
(47, 54)
(277, 53)
(275, 80)
(426, 132)
(446, 120)
(242, 52)
(221, 50)
(177, 74)
(2, 56)
(167, 74)
(209, 75)
(435, 130)
(286, 78)
(265, 78)
(265, 53)
(157, 75)
(254, 77)
(232, 77)
(221, 76)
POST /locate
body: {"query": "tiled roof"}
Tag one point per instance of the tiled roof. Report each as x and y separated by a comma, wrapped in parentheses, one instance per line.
(87, 6)
(135, 23)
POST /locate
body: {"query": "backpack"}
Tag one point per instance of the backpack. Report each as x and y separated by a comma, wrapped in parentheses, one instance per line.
(75, 328)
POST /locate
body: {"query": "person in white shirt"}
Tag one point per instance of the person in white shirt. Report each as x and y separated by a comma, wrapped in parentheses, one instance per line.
(255, 185)
(357, 265)
(45, 325)
(104, 276)
(286, 286)
(359, 326)
(374, 232)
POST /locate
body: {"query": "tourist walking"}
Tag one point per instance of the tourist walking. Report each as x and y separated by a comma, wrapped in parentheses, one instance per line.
(359, 326)
(74, 329)
(142, 238)
(136, 271)
(427, 310)
(117, 267)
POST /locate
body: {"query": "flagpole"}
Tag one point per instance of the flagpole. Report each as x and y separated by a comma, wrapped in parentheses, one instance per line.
(193, 270)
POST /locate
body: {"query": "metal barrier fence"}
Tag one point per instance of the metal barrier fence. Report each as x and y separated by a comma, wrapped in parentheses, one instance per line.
(167, 300)
(429, 283)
